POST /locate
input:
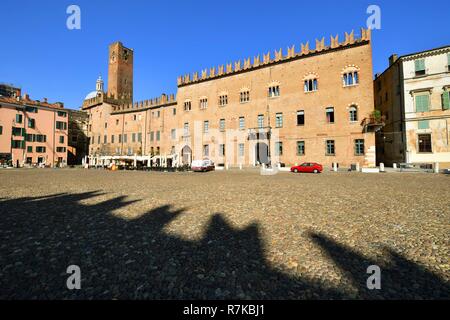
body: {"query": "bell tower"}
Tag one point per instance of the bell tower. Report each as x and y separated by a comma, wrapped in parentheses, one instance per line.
(99, 85)
(120, 72)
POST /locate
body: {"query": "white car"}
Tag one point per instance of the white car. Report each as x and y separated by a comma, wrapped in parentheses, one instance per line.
(202, 165)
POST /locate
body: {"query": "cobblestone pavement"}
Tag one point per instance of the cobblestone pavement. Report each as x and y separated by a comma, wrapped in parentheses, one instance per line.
(216, 235)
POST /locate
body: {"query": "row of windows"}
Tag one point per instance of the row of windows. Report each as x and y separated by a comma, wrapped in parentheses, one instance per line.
(423, 103)
(353, 117)
(40, 149)
(135, 137)
(311, 85)
(300, 117)
(36, 138)
(330, 148)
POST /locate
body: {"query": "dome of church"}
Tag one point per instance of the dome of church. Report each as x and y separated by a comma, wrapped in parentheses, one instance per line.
(91, 95)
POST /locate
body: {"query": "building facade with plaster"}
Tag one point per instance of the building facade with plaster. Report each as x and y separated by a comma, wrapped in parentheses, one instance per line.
(413, 97)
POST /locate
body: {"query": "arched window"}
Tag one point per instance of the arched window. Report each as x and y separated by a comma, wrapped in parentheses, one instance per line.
(353, 113)
(350, 76)
(310, 82)
(274, 89)
(244, 95)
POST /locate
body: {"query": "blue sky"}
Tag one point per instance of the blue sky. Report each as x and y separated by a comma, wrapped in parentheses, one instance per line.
(170, 38)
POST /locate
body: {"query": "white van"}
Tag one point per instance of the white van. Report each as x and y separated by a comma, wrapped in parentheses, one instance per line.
(202, 165)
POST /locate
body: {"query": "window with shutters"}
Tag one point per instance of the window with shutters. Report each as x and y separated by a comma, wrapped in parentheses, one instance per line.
(446, 99)
(422, 102)
(17, 144)
(419, 66)
(205, 126)
(423, 124)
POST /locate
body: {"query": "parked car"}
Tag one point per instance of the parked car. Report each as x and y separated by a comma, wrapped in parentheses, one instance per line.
(202, 165)
(310, 167)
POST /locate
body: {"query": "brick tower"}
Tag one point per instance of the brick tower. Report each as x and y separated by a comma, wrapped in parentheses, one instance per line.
(120, 72)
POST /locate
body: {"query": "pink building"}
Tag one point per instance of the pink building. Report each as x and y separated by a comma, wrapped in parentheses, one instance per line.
(32, 132)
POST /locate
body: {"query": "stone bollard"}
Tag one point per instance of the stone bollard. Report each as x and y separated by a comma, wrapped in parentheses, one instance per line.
(334, 166)
(436, 167)
(226, 166)
(240, 166)
(264, 166)
(394, 165)
(381, 167)
(357, 167)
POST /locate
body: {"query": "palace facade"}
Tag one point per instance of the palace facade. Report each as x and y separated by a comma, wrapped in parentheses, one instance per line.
(311, 105)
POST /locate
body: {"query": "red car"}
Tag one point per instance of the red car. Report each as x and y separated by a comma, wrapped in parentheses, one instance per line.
(310, 167)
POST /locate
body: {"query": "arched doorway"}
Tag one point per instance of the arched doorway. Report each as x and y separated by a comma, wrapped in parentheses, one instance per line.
(186, 155)
(262, 153)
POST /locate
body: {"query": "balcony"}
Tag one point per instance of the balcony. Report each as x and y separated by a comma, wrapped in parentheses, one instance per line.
(374, 122)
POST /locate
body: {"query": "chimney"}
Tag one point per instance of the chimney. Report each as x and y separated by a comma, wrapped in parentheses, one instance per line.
(393, 59)
(45, 100)
(26, 96)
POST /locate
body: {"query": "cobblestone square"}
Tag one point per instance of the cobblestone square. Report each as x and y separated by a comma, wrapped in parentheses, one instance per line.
(223, 235)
